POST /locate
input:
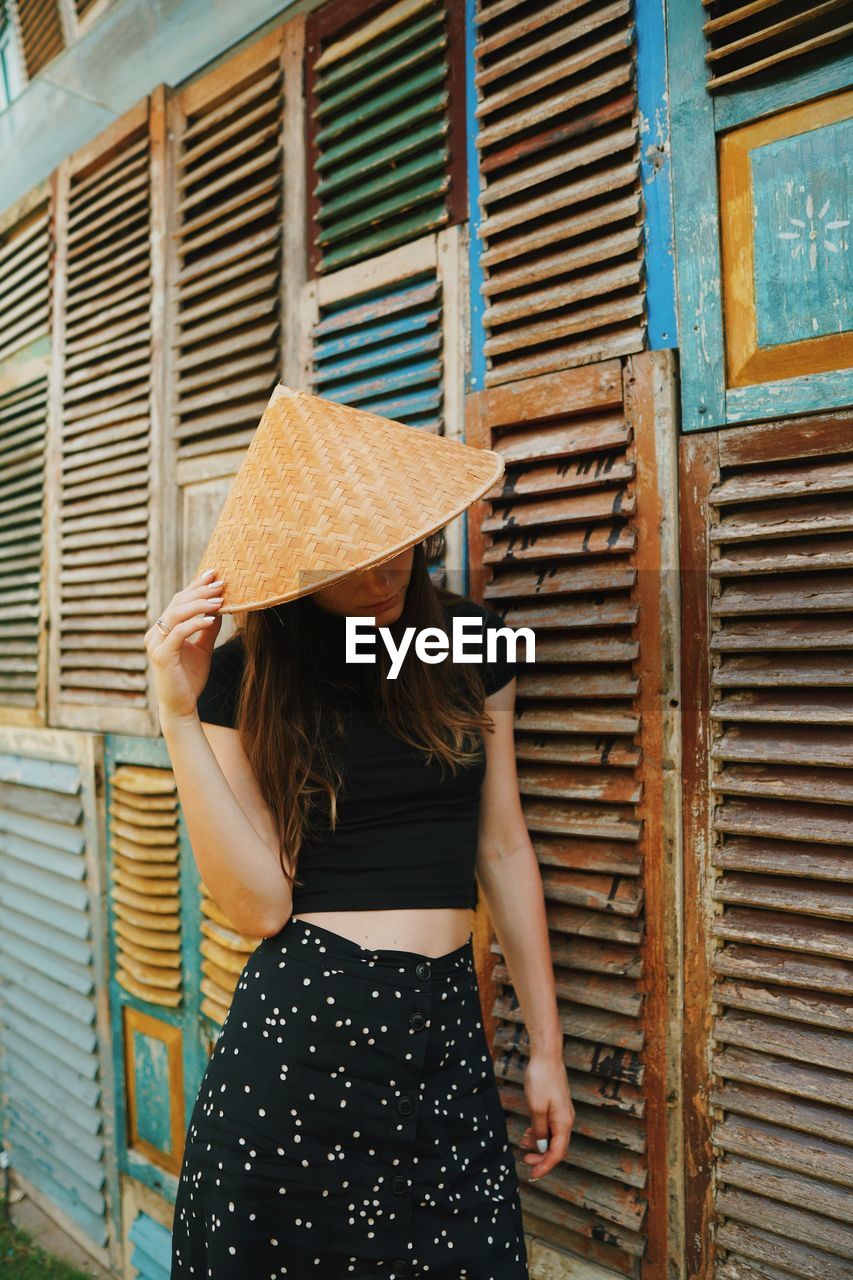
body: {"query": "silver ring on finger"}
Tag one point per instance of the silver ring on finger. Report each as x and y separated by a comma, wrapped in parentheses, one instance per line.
(161, 624)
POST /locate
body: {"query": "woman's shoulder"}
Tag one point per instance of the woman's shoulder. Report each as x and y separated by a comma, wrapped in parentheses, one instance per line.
(217, 703)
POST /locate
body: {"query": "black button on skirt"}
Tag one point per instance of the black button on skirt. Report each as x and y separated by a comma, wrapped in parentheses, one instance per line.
(349, 1124)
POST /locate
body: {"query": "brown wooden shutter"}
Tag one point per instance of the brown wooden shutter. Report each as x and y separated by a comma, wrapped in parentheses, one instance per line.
(768, 512)
(746, 39)
(108, 501)
(559, 172)
(224, 952)
(24, 369)
(573, 540)
(40, 32)
(228, 217)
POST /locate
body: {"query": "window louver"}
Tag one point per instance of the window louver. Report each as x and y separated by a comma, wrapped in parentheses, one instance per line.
(24, 303)
(746, 39)
(779, 598)
(50, 1070)
(379, 102)
(563, 538)
(151, 1248)
(229, 196)
(145, 889)
(382, 352)
(42, 36)
(561, 199)
(104, 498)
(224, 952)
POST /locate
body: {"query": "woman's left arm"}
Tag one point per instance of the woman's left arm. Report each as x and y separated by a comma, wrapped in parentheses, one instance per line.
(509, 877)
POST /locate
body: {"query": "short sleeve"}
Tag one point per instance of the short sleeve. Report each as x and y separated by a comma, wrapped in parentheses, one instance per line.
(502, 669)
(217, 703)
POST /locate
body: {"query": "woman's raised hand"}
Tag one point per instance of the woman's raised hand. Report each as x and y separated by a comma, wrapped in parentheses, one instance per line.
(181, 660)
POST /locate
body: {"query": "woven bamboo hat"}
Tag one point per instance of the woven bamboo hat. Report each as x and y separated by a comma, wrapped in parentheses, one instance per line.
(325, 490)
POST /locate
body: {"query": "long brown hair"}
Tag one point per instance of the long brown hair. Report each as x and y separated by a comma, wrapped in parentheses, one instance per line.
(289, 719)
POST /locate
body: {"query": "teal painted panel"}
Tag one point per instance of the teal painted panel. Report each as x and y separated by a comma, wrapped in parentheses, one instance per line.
(152, 1249)
(50, 1052)
(802, 200)
(382, 352)
(788, 87)
(381, 121)
(790, 396)
(151, 1070)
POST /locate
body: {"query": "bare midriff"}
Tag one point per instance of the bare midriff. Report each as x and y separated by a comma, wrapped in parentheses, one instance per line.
(431, 931)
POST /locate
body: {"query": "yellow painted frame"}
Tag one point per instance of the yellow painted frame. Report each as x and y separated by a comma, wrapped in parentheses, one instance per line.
(746, 363)
(136, 1021)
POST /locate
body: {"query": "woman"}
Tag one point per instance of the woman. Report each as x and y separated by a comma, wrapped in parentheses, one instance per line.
(349, 1123)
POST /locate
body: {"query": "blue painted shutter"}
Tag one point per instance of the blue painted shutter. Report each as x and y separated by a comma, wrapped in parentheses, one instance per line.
(24, 355)
(49, 928)
(382, 352)
(151, 1249)
(229, 210)
(561, 192)
(380, 123)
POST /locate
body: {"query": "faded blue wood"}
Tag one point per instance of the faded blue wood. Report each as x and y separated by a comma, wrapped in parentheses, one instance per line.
(790, 396)
(383, 352)
(802, 194)
(790, 87)
(696, 222)
(477, 304)
(152, 1249)
(152, 752)
(655, 174)
(153, 1107)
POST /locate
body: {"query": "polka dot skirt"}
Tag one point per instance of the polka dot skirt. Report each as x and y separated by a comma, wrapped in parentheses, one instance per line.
(349, 1124)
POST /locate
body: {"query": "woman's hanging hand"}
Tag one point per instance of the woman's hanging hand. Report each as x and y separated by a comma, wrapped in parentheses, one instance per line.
(181, 660)
(552, 1113)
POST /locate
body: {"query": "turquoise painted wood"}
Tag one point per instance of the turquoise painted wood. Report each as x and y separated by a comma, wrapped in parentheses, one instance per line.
(380, 132)
(151, 1249)
(50, 927)
(802, 191)
(382, 352)
(656, 175)
(785, 89)
(149, 1057)
(791, 395)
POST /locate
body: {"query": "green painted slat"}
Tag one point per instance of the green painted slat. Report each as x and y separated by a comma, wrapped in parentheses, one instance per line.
(26, 1077)
(44, 913)
(94, 1224)
(59, 862)
(381, 119)
(364, 142)
(85, 1092)
(39, 881)
(47, 775)
(359, 63)
(65, 1056)
(60, 996)
(74, 955)
(65, 1160)
(79, 1035)
(360, 89)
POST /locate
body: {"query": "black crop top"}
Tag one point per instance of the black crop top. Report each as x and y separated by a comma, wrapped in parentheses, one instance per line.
(406, 836)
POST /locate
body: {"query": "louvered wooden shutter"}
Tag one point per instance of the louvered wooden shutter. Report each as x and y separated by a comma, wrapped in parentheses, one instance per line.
(108, 498)
(51, 1028)
(559, 171)
(229, 203)
(150, 1249)
(572, 541)
(40, 31)
(24, 367)
(145, 883)
(746, 39)
(224, 952)
(768, 512)
(386, 112)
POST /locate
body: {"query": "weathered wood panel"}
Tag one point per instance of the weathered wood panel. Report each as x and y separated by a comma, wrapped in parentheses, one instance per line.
(382, 94)
(561, 190)
(40, 31)
(53, 1030)
(579, 544)
(24, 367)
(105, 458)
(748, 41)
(771, 975)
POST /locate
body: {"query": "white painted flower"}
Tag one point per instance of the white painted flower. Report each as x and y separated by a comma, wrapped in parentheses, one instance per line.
(809, 232)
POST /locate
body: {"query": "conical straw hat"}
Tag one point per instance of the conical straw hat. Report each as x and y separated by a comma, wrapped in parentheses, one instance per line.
(325, 490)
